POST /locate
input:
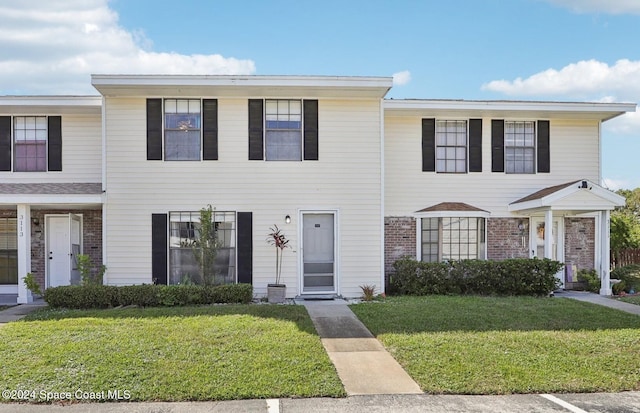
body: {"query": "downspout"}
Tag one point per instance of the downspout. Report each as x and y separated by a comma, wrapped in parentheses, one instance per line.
(382, 200)
(103, 114)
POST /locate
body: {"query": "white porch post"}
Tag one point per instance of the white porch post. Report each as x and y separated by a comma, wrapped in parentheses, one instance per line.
(605, 284)
(24, 252)
(548, 234)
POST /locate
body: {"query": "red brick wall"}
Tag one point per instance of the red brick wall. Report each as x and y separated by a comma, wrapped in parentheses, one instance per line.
(579, 242)
(399, 240)
(505, 240)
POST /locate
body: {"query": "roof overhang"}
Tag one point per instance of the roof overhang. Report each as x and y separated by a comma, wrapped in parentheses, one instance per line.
(506, 109)
(580, 196)
(242, 86)
(452, 209)
(38, 105)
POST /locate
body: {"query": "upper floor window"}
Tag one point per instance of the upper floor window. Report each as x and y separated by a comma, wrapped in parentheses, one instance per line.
(182, 129)
(30, 143)
(451, 146)
(283, 130)
(519, 147)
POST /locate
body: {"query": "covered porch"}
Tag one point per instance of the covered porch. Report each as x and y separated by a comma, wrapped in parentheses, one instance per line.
(43, 229)
(547, 209)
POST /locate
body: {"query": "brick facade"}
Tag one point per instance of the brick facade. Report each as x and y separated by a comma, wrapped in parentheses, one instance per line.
(91, 237)
(506, 240)
(399, 240)
(579, 242)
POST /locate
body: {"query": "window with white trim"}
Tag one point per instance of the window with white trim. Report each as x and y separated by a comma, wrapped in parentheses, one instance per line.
(452, 238)
(184, 268)
(8, 251)
(182, 138)
(283, 130)
(519, 147)
(451, 146)
(30, 143)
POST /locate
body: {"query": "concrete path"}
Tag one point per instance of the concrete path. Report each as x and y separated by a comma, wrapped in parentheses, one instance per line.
(19, 311)
(362, 363)
(600, 300)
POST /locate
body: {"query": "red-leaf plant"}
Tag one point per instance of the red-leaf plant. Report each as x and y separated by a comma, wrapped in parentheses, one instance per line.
(278, 239)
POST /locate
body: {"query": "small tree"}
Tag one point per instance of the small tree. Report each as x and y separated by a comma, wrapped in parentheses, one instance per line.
(280, 241)
(205, 245)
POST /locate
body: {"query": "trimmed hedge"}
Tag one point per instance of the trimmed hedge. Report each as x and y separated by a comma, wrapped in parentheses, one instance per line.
(509, 277)
(145, 295)
(630, 276)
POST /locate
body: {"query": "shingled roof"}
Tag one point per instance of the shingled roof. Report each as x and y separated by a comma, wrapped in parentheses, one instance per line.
(52, 189)
(544, 192)
(453, 207)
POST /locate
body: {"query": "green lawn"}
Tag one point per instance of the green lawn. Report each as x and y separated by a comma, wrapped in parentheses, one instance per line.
(634, 299)
(487, 345)
(170, 354)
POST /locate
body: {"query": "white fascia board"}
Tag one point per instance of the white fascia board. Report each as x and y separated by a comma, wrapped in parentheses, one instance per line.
(602, 111)
(452, 214)
(33, 199)
(87, 101)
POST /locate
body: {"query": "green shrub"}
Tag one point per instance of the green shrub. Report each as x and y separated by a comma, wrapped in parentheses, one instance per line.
(145, 295)
(630, 274)
(509, 277)
(592, 279)
(617, 288)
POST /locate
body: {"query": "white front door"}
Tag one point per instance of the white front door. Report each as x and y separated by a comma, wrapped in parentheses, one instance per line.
(537, 237)
(318, 253)
(63, 248)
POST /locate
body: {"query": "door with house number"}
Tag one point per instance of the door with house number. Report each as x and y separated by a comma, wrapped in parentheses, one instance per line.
(318, 253)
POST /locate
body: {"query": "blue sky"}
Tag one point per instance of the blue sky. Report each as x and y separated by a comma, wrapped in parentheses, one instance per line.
(569, 50)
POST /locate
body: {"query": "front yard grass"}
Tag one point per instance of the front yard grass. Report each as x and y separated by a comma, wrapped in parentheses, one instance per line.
(170, 354)
(632, 299)
(489, 345)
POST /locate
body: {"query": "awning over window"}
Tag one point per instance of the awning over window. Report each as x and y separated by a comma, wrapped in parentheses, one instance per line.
(450, 209)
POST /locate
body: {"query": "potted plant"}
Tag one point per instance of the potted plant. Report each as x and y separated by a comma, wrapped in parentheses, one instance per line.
(277, 292)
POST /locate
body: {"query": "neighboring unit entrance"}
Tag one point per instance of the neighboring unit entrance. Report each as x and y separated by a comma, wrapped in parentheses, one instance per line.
(63, 246)
(318, 252)
(538, 235)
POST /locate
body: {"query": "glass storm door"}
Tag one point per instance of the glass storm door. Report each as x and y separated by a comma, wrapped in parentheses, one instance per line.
(318, 253)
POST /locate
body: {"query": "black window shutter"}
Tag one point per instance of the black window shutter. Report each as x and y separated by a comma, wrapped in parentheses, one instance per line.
(159, 255)
(5, 143)
(245, 247)
(210, 129)
(154, 129)
(475, 145)
(497, 145)
(55, 143)
(310, 130)
(255, 130)
(428, 145)
(544, 154)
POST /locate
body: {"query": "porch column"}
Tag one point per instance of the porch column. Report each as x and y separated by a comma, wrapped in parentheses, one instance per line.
(24, 252)
(548, 234)
(605, 284)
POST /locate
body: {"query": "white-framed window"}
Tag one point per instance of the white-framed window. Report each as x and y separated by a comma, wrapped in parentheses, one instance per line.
(451, 146)
(283, 130)
(182, 129)
(8, 251)
(30, 143)
(520, 147)
(452, 238)
(184, 268)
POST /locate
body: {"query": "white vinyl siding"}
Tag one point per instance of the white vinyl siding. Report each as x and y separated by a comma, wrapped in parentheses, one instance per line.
(347, 178)
(574, 146)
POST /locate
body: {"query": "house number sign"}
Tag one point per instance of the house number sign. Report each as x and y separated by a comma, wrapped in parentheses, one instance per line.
(21, 226)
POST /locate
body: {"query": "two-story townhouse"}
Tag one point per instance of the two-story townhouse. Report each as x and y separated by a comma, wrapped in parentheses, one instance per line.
(498, 179)
(50, 189)
(353, 180)
(300, 152)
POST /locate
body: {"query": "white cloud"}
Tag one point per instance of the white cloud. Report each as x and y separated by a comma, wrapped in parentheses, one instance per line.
(600, 6)
(588, 79)
(401, 78)
(52, 47)
(615, 184)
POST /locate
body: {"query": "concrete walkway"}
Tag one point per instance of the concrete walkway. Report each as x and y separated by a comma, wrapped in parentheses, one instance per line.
(600, 300)
(362, 363)
(19, 311)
